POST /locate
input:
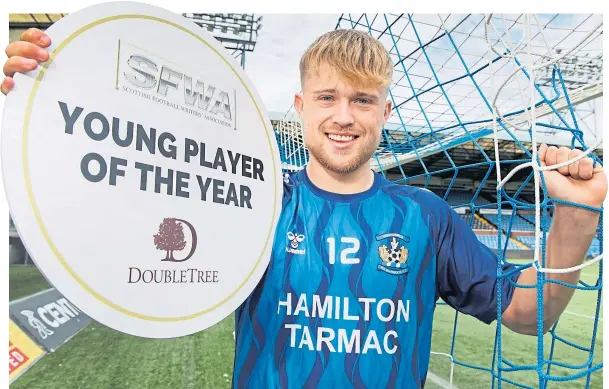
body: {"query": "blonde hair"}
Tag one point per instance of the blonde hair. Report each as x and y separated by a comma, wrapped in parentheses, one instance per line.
(358, 58)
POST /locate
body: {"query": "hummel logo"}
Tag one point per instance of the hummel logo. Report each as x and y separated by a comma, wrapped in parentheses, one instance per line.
(295, 240)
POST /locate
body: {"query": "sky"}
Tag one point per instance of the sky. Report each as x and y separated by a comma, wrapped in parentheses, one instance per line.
(273, 65)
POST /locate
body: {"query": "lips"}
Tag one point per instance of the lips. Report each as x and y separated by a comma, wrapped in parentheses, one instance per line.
(342, 141)
(341, 138)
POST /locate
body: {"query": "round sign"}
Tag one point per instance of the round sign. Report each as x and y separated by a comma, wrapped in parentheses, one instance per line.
(141, 170)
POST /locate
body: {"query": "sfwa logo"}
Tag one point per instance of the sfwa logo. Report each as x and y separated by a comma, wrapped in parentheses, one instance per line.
(151, 77)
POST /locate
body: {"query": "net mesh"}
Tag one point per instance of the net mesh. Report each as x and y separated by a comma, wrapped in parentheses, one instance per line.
(473, 96)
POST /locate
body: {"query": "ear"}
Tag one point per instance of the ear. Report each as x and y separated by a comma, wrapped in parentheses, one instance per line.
(387, 111)
(299, 103)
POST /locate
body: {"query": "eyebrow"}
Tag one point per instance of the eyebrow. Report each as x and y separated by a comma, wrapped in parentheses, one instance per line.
(358, 94)
(367, 96)
(324, 91)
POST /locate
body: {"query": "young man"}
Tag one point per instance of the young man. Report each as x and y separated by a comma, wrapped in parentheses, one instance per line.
(359, 262)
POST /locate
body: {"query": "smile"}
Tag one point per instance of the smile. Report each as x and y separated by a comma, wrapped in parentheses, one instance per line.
(342, 138)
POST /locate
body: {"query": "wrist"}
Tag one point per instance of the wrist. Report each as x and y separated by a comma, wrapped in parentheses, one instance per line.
(570, 211)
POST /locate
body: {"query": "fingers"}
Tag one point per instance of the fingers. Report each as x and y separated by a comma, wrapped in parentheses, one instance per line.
(551, 154)
(574, 167)
(586, 170)
(562, 155)
(24, 56)
(582, 169)
(36, 36)
(7, 85)
(26, 50)
(543, 149)
(19, 64)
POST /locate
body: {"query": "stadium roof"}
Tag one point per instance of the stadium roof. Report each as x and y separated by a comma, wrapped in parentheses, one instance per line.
(41, 21)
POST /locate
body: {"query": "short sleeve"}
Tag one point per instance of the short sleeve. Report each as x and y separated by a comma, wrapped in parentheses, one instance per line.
(467, 269)
(288, 187)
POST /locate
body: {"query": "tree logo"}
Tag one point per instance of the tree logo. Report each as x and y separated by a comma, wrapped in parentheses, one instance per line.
(171, 238)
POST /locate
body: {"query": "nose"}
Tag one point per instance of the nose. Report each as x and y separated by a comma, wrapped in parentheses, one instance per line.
(343, 116)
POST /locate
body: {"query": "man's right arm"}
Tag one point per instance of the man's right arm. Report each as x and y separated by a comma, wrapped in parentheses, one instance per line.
(24, 56)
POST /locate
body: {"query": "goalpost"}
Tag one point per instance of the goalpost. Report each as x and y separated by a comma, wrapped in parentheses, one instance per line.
(473, 98)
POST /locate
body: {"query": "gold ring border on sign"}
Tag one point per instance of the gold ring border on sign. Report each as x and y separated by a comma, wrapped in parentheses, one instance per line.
(33, 201)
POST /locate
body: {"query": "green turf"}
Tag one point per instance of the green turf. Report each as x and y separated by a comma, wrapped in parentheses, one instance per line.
(99, 357)
(475, 341)
(25, 281)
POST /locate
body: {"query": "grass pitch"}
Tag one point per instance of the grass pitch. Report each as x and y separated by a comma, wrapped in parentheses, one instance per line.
(474, 345)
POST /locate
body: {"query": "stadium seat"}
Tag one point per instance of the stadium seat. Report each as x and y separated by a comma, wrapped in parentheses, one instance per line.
(518, 223)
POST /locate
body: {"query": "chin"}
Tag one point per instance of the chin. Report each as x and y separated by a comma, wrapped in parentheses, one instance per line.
(345, 161)
(341, 164)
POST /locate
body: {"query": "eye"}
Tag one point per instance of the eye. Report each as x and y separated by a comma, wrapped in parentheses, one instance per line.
(325, 98)
(362, 100)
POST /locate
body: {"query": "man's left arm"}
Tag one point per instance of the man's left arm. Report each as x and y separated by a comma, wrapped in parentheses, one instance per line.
(569, 238)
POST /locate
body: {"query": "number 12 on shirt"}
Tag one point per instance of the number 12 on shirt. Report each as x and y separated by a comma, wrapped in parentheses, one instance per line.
(353, 247)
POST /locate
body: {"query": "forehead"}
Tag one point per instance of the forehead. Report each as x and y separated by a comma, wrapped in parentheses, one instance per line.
(328, 78)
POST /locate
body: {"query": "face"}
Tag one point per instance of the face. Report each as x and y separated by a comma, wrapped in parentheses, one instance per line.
(342, 124)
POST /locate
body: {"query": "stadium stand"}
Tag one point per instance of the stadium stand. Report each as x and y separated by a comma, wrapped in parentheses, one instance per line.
(492, 241)
(531, 218)
(477, 224)
(593, 251)
(481, 201)
(461, 197)
(528, 240)
(467, 218)
(518, 223)
(480, 225)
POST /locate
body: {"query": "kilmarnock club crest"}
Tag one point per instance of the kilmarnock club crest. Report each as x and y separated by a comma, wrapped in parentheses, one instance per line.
(393, 254)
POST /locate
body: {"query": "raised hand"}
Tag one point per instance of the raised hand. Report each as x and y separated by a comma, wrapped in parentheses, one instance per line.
(578, 182)
(24, 55)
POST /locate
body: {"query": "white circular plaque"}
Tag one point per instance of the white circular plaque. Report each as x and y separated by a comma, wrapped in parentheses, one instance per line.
(142, 171)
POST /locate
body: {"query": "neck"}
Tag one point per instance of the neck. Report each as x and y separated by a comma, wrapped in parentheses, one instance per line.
(357, 181)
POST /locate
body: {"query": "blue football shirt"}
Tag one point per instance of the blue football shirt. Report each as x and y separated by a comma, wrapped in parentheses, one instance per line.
(349, 295)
